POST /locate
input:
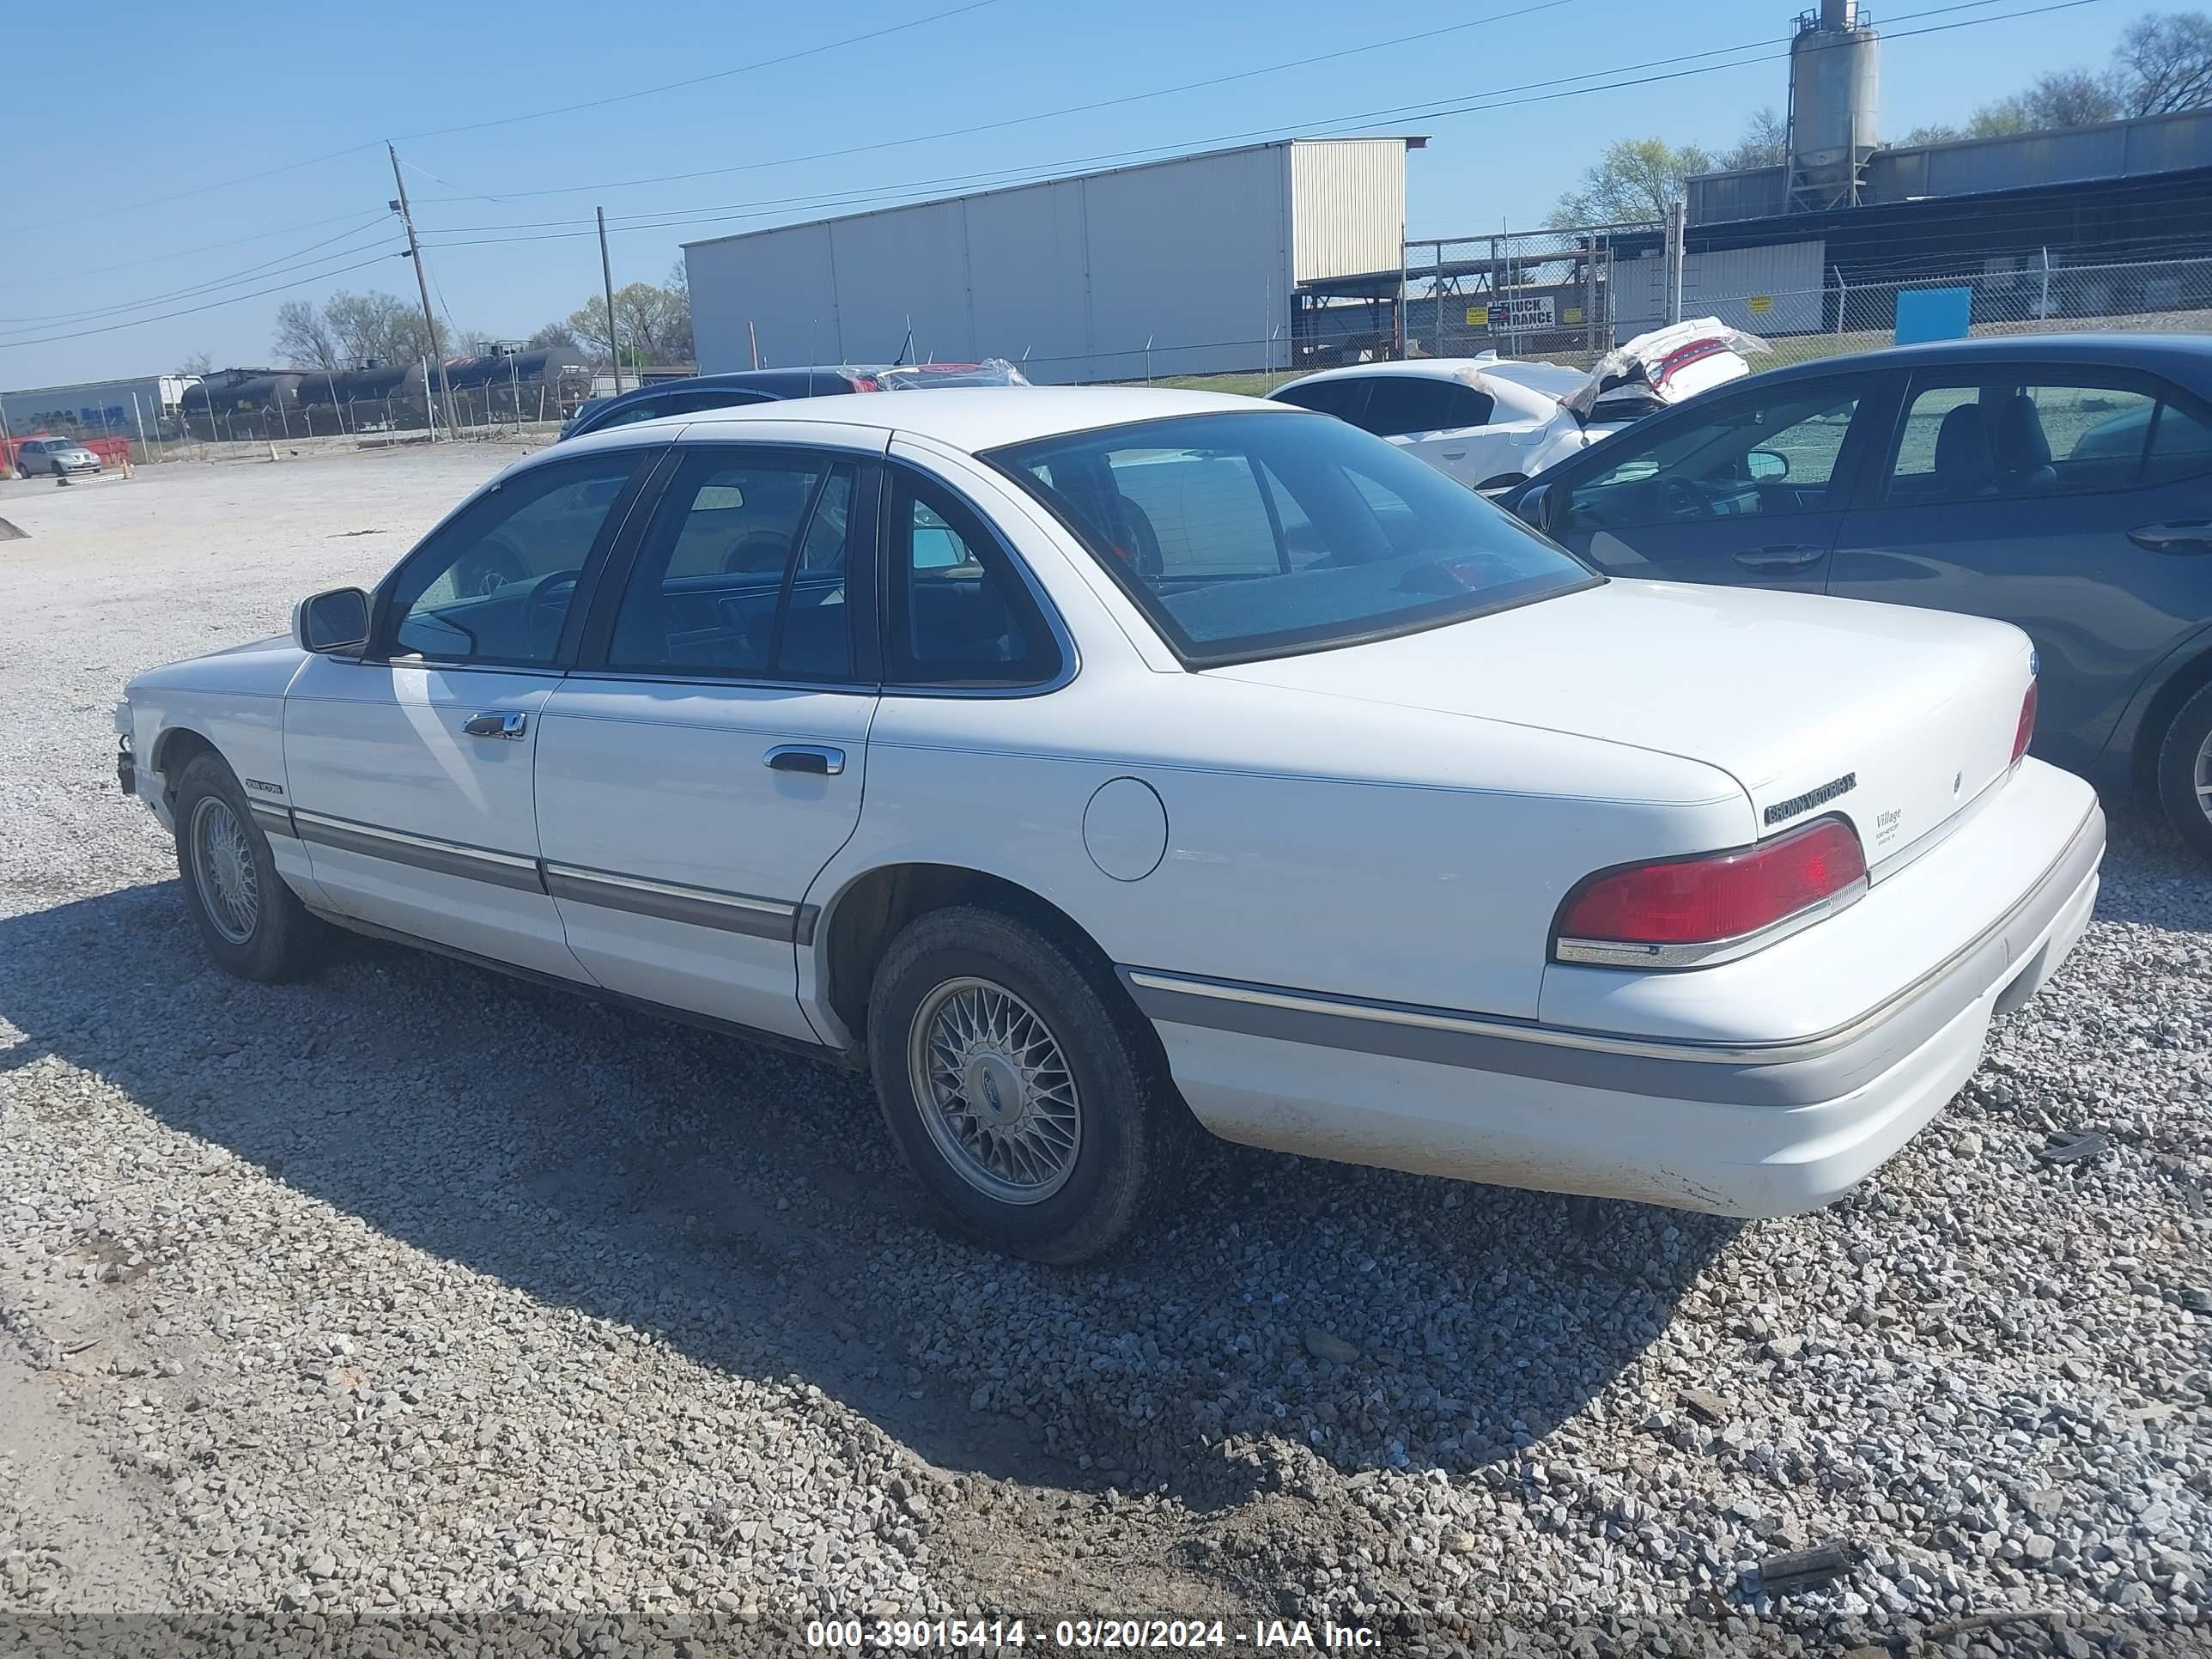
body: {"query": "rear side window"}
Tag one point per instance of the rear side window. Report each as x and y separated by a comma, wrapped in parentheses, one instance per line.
(741, 572)
(960, 613)
(1341, 398)
(1401, 404)
(2009, 439)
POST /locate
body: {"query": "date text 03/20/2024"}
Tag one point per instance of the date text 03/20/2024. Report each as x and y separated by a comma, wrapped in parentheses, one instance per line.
(1104, 1634)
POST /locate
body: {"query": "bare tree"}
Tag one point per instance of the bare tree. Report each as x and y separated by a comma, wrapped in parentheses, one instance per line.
(556, 334)
(375, 327)
(304, 340)
(1764, 143)
(2164, 63)
(1635, 180)
(199, 363)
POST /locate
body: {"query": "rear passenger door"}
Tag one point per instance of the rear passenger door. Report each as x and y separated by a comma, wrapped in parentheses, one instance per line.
(705, 759)
(2058, 497)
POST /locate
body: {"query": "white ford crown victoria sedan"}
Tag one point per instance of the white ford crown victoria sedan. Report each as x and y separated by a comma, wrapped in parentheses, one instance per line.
(1093, 766)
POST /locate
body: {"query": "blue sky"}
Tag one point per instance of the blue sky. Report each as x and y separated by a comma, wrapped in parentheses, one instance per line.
(161, 101)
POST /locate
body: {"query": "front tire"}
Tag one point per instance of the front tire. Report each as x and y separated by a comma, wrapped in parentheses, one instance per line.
(2184, 772)
(251, 923)
(1022, 1087)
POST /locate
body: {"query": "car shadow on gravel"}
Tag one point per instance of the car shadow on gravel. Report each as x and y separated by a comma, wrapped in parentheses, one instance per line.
(1294, 1324)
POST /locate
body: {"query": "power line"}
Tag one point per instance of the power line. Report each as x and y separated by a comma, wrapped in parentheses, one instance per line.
(212, 304)
(1541, 92)
(261, 272)
(1052, 114)
(509, 120)
(702, 80)
(186, 253)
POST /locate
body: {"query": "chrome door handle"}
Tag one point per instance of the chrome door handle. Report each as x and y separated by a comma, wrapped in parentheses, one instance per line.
(806, 757)
(498, 723)
(2182, 536)
(1780, 557)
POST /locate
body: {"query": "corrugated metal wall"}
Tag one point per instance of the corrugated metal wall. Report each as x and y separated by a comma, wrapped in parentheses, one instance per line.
(1070, 277)
(1347, 206)
(1775, 289)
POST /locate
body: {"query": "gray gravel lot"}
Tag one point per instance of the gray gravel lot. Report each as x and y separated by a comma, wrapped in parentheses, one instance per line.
(412, 1289)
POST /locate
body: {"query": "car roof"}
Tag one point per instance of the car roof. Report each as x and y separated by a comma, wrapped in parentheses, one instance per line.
(971, 418)
(2137, 350)
(1431, 367)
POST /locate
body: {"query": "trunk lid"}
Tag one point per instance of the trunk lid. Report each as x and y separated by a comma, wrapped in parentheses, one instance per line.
(1895, 718)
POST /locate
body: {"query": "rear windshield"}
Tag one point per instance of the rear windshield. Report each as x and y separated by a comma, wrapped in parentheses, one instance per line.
(1249, 535)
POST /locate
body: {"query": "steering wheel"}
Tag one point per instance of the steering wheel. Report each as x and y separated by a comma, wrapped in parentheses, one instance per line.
(1680, 499)
(545, 607)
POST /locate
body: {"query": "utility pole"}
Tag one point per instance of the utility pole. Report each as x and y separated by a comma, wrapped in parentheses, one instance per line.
(607, 277)
(423, 286)
(1677, 256)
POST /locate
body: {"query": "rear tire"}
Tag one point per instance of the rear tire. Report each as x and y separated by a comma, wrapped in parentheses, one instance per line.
(2184, 773)
(251, 923)
(1023, 1090)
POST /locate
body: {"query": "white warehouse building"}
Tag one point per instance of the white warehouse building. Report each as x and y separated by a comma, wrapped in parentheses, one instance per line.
(1196, 265)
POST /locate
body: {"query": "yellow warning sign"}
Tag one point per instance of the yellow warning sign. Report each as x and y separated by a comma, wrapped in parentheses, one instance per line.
(1759, 304)
(1478, 316)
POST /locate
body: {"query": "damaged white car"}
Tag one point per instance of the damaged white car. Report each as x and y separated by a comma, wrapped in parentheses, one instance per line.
(1491, 422)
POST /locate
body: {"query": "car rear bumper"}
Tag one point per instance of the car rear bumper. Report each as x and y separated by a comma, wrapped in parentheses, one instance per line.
(1742, 1128)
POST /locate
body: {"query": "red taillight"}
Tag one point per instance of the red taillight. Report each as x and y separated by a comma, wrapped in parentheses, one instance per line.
(1702, 901)
(2025, 732)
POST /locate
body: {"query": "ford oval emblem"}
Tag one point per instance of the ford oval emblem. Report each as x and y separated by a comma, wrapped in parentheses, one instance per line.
(2034, 663)
(991, 1097)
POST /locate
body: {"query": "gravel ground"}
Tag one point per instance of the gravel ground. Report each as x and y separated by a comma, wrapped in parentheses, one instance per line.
(409, 1289)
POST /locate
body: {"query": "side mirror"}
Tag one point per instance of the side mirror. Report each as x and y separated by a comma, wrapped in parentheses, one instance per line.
(1536, 508)
(330, 621)
(1765, 466)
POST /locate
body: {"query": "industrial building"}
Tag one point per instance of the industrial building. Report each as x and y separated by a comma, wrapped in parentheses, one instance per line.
(1189, 266)
(148, 403)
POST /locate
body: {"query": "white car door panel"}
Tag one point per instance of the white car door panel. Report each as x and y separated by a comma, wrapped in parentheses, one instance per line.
(678, 849)
(411, 768)
(694, 779)
(412, 822)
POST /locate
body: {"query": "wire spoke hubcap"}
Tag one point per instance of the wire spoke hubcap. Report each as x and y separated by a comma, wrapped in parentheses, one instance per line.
(223, 869)
(2204, 778)
(995, 1091)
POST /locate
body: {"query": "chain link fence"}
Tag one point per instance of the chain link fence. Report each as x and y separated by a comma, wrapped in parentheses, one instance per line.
(1547, 294)
(2163, 296)
(481, 410)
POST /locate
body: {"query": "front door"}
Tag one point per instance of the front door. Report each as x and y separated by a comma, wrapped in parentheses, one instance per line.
(410, 768)
(1744, 490)
(2074, 502)
(705, 761)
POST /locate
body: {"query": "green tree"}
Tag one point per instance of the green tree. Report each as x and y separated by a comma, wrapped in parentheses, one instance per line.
(1635, 180)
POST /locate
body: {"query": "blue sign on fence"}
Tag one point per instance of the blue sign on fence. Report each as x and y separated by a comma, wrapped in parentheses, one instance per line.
(1934, 313)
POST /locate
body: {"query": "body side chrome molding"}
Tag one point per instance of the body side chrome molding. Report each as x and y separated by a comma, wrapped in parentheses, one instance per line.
(273, 820)
(423, 852)
(702, 907)
(1181, 997)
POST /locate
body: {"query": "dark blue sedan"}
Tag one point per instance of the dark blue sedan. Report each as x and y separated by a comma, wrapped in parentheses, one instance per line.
(2060, 482)
(760, 386)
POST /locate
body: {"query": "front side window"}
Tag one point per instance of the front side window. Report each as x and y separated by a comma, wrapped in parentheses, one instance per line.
(495, 584)
(1751, 457)
(2007, 440)
(1256, 535)
(741, 572)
